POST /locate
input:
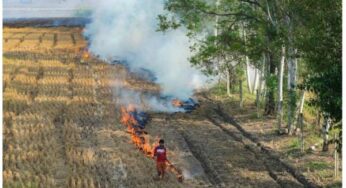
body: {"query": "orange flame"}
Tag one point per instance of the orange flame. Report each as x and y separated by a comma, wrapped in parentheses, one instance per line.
(85, 55)
(140, 140)
(177, 103)
(147, 149)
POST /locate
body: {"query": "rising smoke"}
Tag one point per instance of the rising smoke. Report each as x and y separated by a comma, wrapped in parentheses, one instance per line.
(126, 30)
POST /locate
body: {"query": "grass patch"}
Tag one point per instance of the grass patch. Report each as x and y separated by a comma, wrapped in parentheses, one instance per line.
(249, 97)
(325, 174)
(310, 109)
(294, 153)
(294, 148)
(219, 90)
(313, 138)
(253, 116)
(316, 165)
(335, 185)
(294, 144)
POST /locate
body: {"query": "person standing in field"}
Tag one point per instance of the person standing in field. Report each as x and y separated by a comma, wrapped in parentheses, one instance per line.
(160, 153)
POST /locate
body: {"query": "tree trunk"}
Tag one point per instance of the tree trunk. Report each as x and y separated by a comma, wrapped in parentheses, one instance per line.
(301, 125)
(301, 121)
(292, 77)
(318, 120)
(228, 72)
(241, 93)
(292, 72)
(256, 79)
(299, 110)
(248, 74)
(262, 77)
(270, 101)
(336, 159)
(258, 102)
(325, 131)
(301, 107)
(216, 32)
(247, 61)
(280, 94)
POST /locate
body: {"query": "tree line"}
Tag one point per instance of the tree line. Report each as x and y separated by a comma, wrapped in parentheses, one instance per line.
(296, 41)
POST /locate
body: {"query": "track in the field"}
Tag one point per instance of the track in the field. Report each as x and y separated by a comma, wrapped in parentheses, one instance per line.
(215, 142)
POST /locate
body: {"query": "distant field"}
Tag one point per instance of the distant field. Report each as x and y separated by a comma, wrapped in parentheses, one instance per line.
(42, 40)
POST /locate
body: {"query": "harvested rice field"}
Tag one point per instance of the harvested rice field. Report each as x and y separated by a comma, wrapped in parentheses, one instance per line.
(62, 128)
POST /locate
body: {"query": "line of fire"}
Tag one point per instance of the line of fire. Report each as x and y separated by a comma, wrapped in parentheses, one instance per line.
(135, 122)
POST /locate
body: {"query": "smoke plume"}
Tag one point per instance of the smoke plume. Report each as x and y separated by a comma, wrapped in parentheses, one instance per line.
(126, 30)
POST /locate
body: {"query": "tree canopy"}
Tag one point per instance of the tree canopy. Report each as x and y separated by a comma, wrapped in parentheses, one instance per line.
(233, 29)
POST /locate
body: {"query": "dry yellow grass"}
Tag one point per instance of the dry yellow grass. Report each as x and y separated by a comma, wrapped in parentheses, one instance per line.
(47, 41)
(30, 41)
(64, 40)
(6, 77)
(52, 64)
(10, 44)
(53, 80)
(16, 62)
(59, 99)
(19, 35)
(89, 82)
(23, 78)
(12, 94)
(43, 40)
(8, 35)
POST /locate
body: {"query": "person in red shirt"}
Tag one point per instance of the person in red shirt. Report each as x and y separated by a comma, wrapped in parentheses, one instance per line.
(160, 153)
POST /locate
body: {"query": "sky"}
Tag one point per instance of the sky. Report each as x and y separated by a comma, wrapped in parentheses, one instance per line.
(42, 8)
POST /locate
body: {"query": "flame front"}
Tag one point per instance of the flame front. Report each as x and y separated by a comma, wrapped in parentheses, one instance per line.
(85, 55)
(177, 103)
(140, 138)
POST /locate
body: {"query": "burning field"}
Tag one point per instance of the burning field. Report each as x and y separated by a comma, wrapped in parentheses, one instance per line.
(72, 120)
(61, 117)
(64, 122)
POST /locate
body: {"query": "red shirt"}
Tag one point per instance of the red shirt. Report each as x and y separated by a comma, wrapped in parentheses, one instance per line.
(160, 153)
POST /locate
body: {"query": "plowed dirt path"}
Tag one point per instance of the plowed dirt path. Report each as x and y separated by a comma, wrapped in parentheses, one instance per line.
(214, 153)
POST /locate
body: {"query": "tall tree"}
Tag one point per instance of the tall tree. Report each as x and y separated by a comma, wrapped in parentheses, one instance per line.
(319, 39)
(256, 18)
(309, 30)
(280, 89)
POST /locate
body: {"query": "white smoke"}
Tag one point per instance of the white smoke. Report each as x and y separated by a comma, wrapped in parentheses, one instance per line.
(143, 102)
(126, 29)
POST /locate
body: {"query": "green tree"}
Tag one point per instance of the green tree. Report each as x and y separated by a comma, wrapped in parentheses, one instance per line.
(319, 40)
(310, 31)
(234, 18)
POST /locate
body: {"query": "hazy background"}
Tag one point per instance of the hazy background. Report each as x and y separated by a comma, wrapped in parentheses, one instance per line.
(43, 8)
